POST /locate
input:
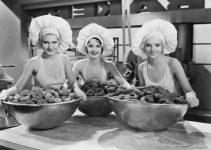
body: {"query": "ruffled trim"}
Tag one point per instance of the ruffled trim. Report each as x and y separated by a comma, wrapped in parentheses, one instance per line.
(49, 21)
(166, 28)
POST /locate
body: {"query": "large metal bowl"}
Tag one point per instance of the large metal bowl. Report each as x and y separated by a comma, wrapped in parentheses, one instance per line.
(41, 116)
(148, 117)
(95, 106)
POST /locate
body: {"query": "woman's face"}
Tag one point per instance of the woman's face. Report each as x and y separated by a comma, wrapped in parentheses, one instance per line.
(153, 47)
(94, 48)
(50, 43)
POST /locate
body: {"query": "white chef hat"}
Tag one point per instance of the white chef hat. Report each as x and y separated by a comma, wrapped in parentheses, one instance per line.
(94, 30)
(49, 21)
(45, 31)
(161, 29)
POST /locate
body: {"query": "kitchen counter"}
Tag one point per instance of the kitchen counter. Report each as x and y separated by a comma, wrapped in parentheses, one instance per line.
(107, 133)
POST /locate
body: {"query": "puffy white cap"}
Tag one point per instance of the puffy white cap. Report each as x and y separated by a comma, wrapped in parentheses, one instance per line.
(156, 28)
(49, 21)
(95, 30)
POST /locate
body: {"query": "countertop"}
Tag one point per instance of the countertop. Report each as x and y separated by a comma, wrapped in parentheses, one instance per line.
(81, 132)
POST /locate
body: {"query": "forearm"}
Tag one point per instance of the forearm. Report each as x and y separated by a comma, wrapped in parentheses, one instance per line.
(185, 85)
(6, 93)
(123, 82)
(21, 83)
(76, 86)
(70, 83)
(78, 91)
(12, 90)
(126, 84)
(140, 76)
(69, 73)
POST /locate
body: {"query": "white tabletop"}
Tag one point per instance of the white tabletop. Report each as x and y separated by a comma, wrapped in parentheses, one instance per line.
(108, 133)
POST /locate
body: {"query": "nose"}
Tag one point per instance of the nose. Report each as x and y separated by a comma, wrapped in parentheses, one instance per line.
(50, 46)
(94, 48)
(153, 48)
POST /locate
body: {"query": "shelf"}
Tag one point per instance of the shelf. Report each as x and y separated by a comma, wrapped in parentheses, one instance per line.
(175, 16)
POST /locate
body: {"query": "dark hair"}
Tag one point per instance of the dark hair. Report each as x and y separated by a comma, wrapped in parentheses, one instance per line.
(98, 40)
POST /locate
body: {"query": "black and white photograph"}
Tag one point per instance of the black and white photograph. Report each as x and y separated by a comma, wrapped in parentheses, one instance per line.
(105, 75)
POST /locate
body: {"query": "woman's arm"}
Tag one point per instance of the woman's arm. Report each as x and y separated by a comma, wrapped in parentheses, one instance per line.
(76, 88)
(140, 75)
(179, 73)
(116, 74)
(29, 67)
(68, 71)
(75, 68)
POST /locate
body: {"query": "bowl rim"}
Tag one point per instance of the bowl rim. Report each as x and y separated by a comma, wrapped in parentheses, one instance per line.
(137, 103)
(38, 105)
(97, 96)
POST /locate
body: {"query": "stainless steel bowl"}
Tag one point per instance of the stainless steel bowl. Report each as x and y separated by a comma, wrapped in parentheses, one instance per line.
(95, 106)
(148, 117)
(41, 116)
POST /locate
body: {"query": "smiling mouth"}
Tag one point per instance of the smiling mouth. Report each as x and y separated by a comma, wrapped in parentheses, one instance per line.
(153, 53)
(50, 50)
(94, 53)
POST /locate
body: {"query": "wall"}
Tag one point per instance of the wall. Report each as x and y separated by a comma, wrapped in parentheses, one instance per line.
(200, 70)
(117, 32)
(11, 51)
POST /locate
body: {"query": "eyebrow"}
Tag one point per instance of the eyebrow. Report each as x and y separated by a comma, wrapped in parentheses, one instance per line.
(48, 41)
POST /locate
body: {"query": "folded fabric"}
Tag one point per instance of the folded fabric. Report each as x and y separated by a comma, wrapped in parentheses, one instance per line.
(95, 30)
(163, 27)
(49, 21)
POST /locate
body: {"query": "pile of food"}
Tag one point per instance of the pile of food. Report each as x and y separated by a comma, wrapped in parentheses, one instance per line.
(38, 95)
(150, 94)
(95, 87)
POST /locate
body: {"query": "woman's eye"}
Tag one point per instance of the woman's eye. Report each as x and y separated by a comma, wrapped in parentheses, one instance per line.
(55, 42)
(44, 42)
(90, 46)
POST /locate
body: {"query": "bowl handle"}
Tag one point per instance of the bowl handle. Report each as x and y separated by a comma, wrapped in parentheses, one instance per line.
(10, 121)
(7, 114)
(6, 111)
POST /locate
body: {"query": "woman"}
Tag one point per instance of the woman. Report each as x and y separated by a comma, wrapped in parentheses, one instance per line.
(95, 42)
(50, 68)
(152, 41)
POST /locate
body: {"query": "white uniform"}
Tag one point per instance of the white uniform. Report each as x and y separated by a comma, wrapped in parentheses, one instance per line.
(167, 82)
(43, 80)
(102, 75)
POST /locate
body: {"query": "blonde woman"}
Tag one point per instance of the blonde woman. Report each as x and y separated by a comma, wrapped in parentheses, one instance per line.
(50, 68)
(151, 42)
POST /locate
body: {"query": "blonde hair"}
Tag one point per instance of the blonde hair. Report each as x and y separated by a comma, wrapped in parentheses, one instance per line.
(45, 31)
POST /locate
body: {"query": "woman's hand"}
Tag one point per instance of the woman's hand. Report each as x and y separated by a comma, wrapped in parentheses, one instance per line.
(80, 93)
(4, 94)
(127, 85)
(192, 99)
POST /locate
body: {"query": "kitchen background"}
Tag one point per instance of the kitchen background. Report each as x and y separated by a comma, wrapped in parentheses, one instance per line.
(192, 19)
